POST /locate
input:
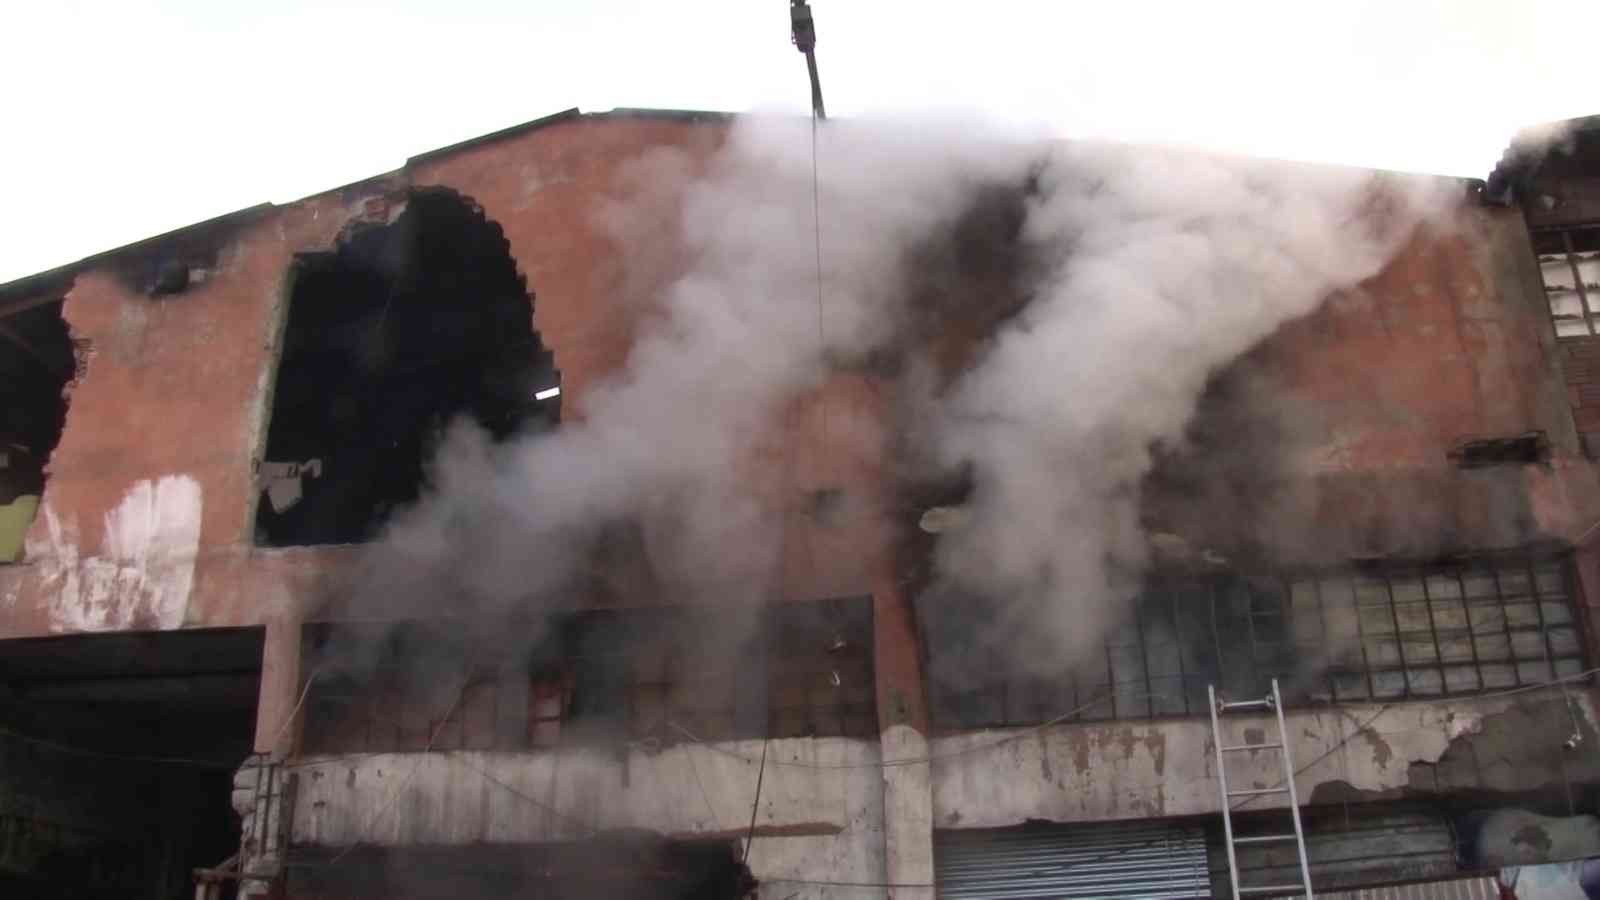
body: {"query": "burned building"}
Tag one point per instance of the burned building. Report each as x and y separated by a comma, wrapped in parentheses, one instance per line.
(629, 504)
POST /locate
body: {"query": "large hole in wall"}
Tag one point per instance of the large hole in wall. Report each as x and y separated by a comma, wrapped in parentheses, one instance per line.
(400, 330)
(117, 755)
(36, 363)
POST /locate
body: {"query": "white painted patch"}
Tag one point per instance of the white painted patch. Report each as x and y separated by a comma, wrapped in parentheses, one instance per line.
(144, 572)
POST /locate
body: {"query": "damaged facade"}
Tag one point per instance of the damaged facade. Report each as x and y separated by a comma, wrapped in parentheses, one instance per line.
(214, 611)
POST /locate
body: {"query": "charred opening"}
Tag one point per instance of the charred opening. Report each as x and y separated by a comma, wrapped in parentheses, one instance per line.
(36, 363)
(399, 331)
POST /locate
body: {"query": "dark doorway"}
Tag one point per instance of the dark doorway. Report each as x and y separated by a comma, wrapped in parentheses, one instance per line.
(117, 755)
(400, 330)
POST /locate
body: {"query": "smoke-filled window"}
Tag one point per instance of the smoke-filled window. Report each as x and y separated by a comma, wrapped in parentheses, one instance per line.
(1354, 636)
(36, 362)
(399, 331)
(794, 670)
(1569, 264)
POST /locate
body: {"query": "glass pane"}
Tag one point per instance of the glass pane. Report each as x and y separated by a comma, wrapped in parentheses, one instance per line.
(1522, 615)
(1493, 648)
(1382, 652)
(1564, 642)
(1419, 650)
(1570, 328)
(1589, 271)
(1425, 682)
(1556, 274)
(1407, 590)
(1479, 585)
(1533, 672)
(1550, 577)
(1388, 685)
(1350, 685)
(1528, 645)
(1514, 583)
(1461, 679)
(1498, 676)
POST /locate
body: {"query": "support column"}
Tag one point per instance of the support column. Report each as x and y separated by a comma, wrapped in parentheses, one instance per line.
(262, 787)
(280, 688)
(903, 725)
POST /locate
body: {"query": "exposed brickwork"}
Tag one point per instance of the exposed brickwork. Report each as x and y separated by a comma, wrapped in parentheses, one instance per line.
(1580, 359)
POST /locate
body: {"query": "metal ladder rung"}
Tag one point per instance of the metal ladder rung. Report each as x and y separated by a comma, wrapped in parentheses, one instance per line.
(1257, 792)
(1264, 838)
(1272, 705)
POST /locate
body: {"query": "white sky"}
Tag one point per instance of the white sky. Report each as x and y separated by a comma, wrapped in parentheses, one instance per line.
(131, 117)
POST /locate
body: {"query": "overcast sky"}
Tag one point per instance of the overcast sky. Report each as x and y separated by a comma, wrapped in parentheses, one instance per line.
(129, 118)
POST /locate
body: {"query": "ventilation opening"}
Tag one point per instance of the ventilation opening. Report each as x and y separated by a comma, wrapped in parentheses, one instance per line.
(36, 363)
(1524, 449)
(117, 756)
(399, 331)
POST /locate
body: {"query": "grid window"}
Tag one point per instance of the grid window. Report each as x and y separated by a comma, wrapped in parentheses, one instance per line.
(1569, 265)
(1356, 636)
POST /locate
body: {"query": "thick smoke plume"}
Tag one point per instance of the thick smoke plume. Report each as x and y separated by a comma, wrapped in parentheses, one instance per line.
(1138, 274)
(1159, 268)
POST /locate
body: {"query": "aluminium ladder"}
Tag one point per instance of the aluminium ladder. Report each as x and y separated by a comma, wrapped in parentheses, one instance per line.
(1272, 702)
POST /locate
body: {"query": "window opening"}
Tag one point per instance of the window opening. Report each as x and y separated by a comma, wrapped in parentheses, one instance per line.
(37, 361)
(804, 670)
(391, 336)
(1360, 635)
(1569, 265)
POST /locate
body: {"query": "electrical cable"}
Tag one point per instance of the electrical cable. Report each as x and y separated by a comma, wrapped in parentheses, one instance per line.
(703, 794)
(750, 837)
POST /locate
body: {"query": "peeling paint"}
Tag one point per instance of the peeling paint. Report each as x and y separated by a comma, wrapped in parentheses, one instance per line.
(144, 573)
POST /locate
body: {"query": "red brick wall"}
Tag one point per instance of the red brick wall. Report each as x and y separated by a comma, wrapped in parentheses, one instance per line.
(1446, 344)
(1580, 359)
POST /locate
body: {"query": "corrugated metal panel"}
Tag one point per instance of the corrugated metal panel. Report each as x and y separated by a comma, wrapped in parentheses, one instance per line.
(1139, 859)
(1377, 845)
(1457, 889)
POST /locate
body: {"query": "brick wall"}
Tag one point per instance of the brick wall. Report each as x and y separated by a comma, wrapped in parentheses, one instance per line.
(1580, 358)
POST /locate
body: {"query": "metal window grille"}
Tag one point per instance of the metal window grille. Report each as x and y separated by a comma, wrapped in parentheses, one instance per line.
(1332, 637)
(1569, 265)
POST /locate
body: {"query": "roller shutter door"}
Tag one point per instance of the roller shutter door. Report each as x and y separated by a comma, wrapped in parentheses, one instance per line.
(1135, 859)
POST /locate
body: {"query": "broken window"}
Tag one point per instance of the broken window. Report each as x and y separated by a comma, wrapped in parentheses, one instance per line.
(796, 670)
(399, 331)
(1374, 634)
(36, 363)
(1569, 264)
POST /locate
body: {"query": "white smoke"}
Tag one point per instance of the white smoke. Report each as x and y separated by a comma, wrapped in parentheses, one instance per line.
(1150, 270)
(666, 443)
(1160, 268)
